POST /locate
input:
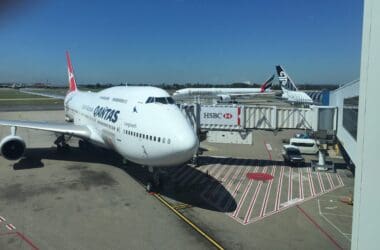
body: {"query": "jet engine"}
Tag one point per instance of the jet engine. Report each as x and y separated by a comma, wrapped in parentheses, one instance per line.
(224, 98)
(12, 147)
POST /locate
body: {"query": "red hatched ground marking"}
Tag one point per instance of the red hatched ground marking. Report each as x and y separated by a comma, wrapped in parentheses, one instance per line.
(253, 201)
(10, 227)
(259, 176)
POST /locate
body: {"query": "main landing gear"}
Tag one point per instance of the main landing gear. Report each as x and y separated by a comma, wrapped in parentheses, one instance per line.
(84, 145)
(154, 182)
(61, 143)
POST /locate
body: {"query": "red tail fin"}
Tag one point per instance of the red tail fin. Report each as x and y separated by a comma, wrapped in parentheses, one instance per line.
(70, 71)
(267, 84)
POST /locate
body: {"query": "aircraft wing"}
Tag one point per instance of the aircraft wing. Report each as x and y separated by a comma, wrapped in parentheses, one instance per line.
(62, 128)
(27, 91)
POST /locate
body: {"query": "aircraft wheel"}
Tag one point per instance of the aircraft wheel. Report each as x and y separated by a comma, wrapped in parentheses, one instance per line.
(149, 187)
(81, 145)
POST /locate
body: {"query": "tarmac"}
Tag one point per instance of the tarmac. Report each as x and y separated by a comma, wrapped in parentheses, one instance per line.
(91, 200)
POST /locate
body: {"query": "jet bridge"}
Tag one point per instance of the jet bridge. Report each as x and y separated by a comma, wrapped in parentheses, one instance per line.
(242, 119)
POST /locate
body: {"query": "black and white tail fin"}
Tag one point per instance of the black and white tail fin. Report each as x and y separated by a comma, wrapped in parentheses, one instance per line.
(285, 81)
(70, 72)
(267, 84)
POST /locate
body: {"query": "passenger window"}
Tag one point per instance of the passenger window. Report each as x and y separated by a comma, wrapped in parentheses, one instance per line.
(163, 140)
(168, 141)
(154, 138)
(150, 137)
(158, 139)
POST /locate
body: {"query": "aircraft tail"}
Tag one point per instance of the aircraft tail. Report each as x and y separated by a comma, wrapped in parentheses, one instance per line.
(285, 81)
(70, 71)
(267, 84)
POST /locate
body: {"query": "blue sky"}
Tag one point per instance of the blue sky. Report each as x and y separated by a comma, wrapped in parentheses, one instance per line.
(181, 41)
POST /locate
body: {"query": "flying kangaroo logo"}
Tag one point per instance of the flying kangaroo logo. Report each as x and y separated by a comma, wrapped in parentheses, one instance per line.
(227, 116)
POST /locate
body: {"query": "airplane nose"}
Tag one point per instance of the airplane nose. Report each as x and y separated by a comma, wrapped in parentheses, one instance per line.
(188, 142)
(186, 145)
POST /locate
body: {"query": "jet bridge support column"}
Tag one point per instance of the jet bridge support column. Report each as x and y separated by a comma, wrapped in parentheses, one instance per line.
(197, 129)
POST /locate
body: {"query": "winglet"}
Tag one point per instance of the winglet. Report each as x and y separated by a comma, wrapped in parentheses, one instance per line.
(70, 72)
(267, 84)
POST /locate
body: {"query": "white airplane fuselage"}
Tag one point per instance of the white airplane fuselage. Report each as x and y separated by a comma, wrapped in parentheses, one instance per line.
(296, 97)
(119, 118)
(216, 91)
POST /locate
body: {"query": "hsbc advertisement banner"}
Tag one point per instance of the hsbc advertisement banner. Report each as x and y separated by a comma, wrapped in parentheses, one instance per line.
(226, 117)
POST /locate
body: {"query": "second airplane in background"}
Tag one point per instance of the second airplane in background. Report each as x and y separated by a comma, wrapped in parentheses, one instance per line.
(227, 94)
(289, 90)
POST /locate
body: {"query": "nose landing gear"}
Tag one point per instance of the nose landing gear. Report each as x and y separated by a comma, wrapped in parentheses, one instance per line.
(154, 182)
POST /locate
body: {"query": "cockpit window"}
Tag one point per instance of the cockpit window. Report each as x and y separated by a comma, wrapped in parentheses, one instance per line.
(162, 100)
(170, 100)
(150, 100)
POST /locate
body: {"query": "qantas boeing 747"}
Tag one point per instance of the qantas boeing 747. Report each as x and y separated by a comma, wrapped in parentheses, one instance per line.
(142, 124)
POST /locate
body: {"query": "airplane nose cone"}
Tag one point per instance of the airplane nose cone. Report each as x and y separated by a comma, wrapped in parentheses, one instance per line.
(186, 145)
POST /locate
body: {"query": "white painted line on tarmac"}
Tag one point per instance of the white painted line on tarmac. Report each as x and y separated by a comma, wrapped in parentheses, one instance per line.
(215, 182)
(269, 147)
(177, 172)
(237, 188)
(290, 202)
(189, 176)
(301, 195)
(242, 198)
(332, 224)
(215, 170)
(279, 189)
(311, 183)
(340, 180)
(2, 219)
(200, 174)
(224, 179)
(254, 199)
(321, 186)
(187, 171)
(229, 185)
(330, 181)
(267, 192)
(290, 184)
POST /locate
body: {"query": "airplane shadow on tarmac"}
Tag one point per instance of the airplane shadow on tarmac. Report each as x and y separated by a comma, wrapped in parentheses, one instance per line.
(190, 194)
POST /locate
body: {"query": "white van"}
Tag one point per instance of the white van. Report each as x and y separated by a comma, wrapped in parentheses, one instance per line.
(306, 146)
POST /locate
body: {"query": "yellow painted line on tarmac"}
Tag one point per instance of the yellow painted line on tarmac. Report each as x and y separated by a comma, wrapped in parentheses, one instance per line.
(181, 206)
(185, 219)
